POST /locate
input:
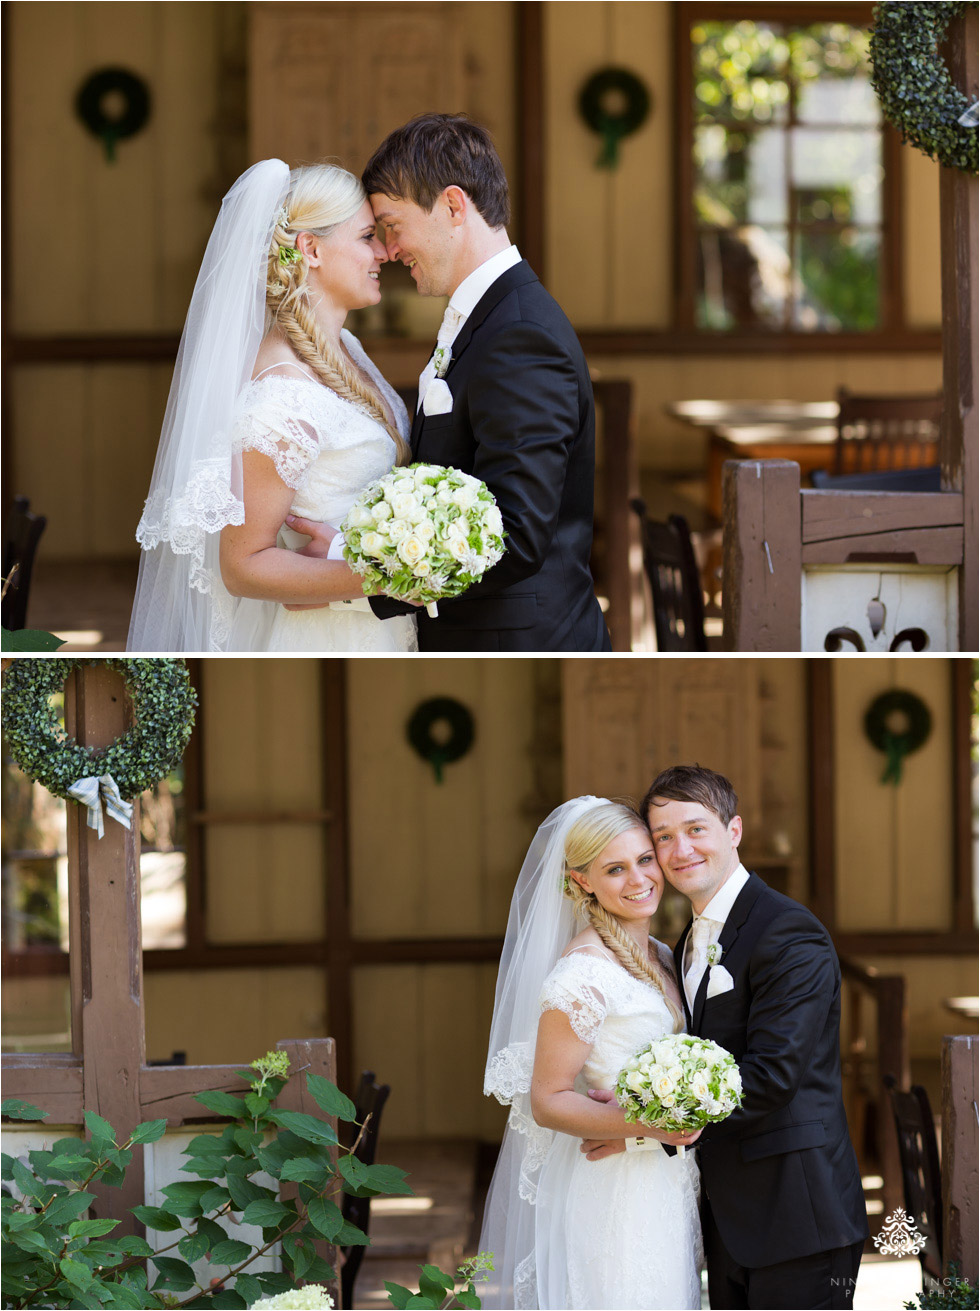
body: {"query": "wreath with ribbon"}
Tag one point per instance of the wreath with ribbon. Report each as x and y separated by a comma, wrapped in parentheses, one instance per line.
(896, 745)
(163, 700)
(599, 102)
(445, 710)
(917, 94)
(110, 128)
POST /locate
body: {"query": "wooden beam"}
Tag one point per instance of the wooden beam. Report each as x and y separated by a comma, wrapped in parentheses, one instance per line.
(762, 555)
(959, 212)
(51, 1081)
(531, 161)
(106, 966)
(311, 1056)
(620, 527)
(336, 928)
(959, 1162)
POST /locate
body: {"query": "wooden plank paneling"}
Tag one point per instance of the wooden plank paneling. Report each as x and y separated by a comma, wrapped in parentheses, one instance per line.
(885, 879)
(827, 515)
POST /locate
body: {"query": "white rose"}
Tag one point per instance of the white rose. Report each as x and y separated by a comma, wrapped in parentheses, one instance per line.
(372, 543)
(404, 505)
(426, 530)
(458, 548)
(699, 1084)
(464, 497)
(443, 495)
(381, 512)
(397, 528)
(493, 521)
(663, 1086)
(635, 1081)
(359, 517)
(422, 568)
(459, 528)
(411, 549)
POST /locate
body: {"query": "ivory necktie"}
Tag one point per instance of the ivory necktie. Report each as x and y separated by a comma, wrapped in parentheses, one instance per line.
(700, 934)
(448, 329)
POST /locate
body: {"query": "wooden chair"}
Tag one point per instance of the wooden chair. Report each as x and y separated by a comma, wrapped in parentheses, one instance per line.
(678, 602)
(921, 1180)
(926, 479)
(21, 536)
(369, 1100)
(886, 432)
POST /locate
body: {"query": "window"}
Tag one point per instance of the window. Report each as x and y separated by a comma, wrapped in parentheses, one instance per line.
(784, 197)
(35, 865)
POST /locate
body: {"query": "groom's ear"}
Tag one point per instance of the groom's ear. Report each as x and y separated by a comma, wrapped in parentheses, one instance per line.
(457, 202)
(735, 829)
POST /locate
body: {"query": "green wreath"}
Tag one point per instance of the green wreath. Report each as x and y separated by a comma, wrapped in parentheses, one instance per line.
(594, 103)
(897, 746)
(89, 105)
(163, 701)
(441, 709)
(917, 94)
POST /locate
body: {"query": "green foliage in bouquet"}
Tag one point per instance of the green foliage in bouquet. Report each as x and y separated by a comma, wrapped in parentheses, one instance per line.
(437, 1290)
(54, 1256)
(954, 1292)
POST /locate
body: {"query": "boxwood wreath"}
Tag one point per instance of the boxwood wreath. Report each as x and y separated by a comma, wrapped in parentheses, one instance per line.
(917, 94)
(897, 744)
(163, 700)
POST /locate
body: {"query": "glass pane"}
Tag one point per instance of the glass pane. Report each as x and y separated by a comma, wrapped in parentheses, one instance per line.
(740, 176)
(832, 74)
(739, 72)
(35, 864)
(837, 175)
(743, 278)
(838, 277)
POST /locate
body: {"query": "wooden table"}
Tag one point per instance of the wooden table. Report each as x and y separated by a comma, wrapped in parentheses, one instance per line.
(804, 431)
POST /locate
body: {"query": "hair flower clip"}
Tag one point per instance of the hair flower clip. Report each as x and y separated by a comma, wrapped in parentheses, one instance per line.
(289, 255)
(282, 218)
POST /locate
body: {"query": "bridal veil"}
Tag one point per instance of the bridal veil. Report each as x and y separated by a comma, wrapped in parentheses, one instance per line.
(181, 603)
(540, 926)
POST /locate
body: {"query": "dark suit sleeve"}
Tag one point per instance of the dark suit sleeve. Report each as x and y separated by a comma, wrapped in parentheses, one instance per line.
(386, 607)
(523, 404)
(794, 980)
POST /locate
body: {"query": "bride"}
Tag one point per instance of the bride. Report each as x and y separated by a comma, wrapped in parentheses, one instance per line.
(567, 1232)
(274, 410)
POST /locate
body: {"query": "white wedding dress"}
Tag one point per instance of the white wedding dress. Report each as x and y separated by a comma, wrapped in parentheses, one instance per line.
(327, 450)
(622, 1232)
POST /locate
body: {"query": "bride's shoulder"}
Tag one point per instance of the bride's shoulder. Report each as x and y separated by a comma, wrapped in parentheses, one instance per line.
(277, 359)
(589, 945)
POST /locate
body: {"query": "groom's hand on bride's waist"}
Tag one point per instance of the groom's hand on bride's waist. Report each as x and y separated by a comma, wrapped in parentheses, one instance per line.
(320, 535)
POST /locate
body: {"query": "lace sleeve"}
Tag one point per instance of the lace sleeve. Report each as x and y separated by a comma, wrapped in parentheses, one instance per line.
(573, 988)
(274, 429)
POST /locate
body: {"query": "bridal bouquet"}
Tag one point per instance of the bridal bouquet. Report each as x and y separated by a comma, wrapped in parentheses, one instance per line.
(679, 1082)
(423, 533)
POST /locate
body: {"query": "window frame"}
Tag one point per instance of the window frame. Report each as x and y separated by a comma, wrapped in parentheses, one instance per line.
(892, 332)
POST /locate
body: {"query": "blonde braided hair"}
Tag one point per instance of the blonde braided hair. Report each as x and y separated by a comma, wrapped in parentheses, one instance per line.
(585, 841)
(321, 198)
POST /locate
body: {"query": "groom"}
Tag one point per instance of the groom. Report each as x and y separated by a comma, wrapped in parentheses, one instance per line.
(782, 1208)
(509, 401)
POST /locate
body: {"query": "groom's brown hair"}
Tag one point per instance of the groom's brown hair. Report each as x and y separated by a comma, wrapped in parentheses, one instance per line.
(694, 783)
(434, 151)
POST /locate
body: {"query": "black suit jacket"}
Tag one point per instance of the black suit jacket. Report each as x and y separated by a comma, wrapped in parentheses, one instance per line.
(523, 420)
(780, 1173)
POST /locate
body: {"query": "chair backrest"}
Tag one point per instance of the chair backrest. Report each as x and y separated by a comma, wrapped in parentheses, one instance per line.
(369, 1100)
(21, 535)
(887, 432)
(921, 1180)
(678, 602)
(926, 479)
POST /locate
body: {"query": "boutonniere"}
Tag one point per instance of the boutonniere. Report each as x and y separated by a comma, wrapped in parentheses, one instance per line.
(714, 953)
(442, 358)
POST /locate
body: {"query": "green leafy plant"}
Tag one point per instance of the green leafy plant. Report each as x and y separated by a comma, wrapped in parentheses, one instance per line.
(953, 1292)
(439, 1290)
(55, 1256)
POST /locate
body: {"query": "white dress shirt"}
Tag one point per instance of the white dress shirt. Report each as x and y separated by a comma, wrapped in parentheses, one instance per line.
(714, 916)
